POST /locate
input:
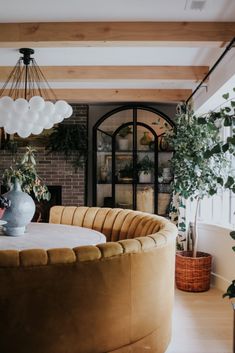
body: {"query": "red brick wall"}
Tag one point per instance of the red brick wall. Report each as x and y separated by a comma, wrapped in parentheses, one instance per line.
(54, 169)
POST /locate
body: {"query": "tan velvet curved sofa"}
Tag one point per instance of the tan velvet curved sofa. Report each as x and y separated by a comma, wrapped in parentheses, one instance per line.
(115, 297)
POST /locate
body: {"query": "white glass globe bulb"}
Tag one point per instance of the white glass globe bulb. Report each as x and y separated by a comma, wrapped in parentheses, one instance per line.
(37, 130)
(31, 117)
(61, 107)
(69, 112)
(49, 108)
(49, 125)
(10, 127)
(43, 120)
(36, 103)
(56, 118)
(21, 106)
(24, 132)
(6, 103)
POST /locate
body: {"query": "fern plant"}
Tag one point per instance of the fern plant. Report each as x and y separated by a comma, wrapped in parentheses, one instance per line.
(70, 139)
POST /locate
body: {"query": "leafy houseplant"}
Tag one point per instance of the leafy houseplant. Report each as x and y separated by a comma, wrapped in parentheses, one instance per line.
(25, 172)
(126, 171)
(201, 162)
(145, 167)
(70, 139)
(123, 138)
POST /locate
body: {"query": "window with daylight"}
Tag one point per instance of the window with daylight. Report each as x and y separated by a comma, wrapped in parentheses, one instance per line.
(220, 208)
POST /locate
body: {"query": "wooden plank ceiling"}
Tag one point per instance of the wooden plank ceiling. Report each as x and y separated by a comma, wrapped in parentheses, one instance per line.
(61, 34)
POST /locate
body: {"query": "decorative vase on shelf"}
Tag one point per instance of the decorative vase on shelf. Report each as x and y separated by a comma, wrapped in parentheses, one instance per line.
(144, 177)
(146, 139)
(21, 211)
(123, 143)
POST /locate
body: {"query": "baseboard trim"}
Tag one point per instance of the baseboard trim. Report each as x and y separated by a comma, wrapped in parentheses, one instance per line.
(219, 282)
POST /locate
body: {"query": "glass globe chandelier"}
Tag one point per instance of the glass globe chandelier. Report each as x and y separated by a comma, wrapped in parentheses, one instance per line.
(28, 104)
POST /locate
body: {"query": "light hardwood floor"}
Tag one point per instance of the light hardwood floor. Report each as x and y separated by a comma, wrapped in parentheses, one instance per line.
(202, 323)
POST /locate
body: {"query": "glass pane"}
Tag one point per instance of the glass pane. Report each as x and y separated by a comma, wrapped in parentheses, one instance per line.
(113, 122)
(124, 168)
(164, 200)
(155, 121)
(123, 195)
(145, 198)
(104, 195)
(104, 142)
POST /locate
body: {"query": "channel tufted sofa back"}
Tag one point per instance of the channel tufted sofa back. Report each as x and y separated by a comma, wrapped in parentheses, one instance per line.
(115, 297)
(116, 224)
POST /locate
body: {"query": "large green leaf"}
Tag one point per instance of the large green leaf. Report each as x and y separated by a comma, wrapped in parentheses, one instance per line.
(226, 96)
(232, 234)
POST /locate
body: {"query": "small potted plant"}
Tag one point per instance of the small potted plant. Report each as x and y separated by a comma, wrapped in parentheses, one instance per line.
(126, 173)
(201, 165)
(123, 142)
(4, 204)
(145, 168)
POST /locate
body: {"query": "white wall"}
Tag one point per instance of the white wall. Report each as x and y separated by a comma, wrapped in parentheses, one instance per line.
(217, 241)
(221, 81)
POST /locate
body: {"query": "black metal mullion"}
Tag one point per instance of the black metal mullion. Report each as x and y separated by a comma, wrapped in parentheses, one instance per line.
(134, 154)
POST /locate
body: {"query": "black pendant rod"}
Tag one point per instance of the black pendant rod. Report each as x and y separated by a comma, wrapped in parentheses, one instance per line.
(230, 45)
(27, 52)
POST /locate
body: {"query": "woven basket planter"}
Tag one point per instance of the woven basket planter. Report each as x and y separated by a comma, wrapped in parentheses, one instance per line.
(193, 274)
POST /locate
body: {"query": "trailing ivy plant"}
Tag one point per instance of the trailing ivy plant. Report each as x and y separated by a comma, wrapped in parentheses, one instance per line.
(201, 160)
(70, 139)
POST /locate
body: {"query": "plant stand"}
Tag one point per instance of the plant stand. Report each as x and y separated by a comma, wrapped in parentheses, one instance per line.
(193, 274)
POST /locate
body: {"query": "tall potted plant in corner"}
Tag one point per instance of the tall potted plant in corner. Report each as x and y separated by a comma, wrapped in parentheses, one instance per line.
(201, 166)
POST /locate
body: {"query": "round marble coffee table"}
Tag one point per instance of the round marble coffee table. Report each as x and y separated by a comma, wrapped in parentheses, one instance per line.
(47, 236)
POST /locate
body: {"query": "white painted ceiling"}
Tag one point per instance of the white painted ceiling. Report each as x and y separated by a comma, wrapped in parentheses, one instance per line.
(113, 10)
(122, 10)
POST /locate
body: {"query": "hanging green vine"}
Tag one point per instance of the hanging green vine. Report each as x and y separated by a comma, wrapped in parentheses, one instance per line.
(70, 140)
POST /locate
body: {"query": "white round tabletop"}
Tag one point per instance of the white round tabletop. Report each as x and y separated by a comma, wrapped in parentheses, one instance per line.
(47, 236)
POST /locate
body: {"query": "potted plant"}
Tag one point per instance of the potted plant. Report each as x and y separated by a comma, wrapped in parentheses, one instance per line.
(4, 204)
(123, 142)
(25, 172)
(201, 166)
(145, 168)
(70, 140)
(126, 172)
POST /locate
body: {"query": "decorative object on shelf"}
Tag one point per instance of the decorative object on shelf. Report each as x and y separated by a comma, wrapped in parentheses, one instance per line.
(145, 140)
(21, 211)
(164, 144)
(103, 174)
(123, 141)
(166, 174)
(70, 139)
(201, 164)
(28, 107)
(145, 200)
(25, 172)
(164, 200)
(145, 168)
(126, 173)
(4, 204)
